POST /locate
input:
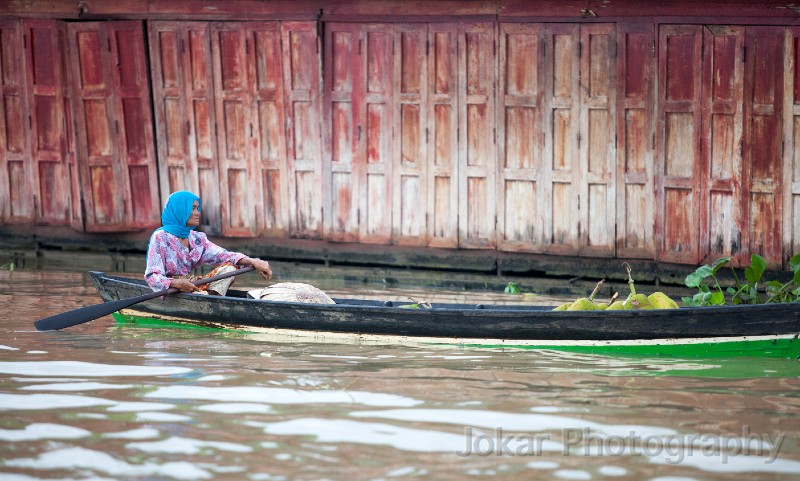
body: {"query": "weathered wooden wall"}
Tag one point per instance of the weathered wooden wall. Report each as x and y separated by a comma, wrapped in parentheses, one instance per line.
(652, 130)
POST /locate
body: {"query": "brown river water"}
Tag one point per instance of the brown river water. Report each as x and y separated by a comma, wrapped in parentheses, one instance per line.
(103, 401)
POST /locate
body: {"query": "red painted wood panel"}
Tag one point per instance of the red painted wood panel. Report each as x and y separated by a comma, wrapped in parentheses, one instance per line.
(521, 160)
(442, 134)
(678, 135)
(562, 114)
(477, 143)
(763, 134)
(183, 92)
(301, 78)
(265, 73)
(791, 218)
(635, 149)
(114, 120)
(46, 122)
(597, 139)
(722, 217)
(240, 185)
(17, 172)
(410, 143)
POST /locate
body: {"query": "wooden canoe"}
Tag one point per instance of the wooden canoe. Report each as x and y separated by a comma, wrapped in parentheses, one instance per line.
(759, 330)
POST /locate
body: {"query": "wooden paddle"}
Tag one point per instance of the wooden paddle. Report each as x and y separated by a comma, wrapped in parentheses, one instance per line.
(90, 313)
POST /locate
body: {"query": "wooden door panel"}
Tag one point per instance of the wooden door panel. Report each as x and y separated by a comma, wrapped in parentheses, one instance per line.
(16, 169)
(597, 151)
(375, 131)
(561, 113)
(442, 134)
(265, 60)
(240, 196)
(134, 123)
(184, 109)
(47, 124)
(95, 122)
(678, 189)
(723, 84)
(521, 138)
(477, 141)
(343, 68)
(763, 117)
(409, 163)
(791, 218)
(304, 151)
(635, 101)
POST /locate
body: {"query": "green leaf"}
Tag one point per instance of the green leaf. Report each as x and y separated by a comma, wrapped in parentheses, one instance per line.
(696, 278)
(410, 306)
(719, 263)
(717, 298)
(797, 277)
(756, 269)
(796, 292)
(794, 263)
(512, 288)
(689, 301)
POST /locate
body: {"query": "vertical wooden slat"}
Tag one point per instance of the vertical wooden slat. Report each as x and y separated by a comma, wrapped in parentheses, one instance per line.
(561, 175)
(70, 146)
(240, 187)
(265, 61)
(442, 134)
(16, 169)
(520, 208)
(410, 143)
(374, 134)
(679, 166)
(96, 127)
(477, 144)
(791, 170)
(46, 122)
(183, 93)
(135, 139)
(303, 118)
(635, 108)
(763, 134)
(597, 145)
(343, 71)
(721, 218)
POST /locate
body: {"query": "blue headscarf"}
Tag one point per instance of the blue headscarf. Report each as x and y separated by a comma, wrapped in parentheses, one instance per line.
(177, 212)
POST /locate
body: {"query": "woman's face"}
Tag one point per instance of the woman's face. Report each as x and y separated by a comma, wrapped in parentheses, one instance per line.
(194, 218)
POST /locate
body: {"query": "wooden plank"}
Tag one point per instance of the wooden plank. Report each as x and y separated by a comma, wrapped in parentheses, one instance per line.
(303, 139)
(763, 134)
(16, 168)
(265, 62)
(134, 124)
(520, 208)
(561, 176)
(678, 162)
(46, 122)
(723, 84)
(477, 142)
(410, 202)
(240, 187)
(442, 128)
(635, 149)
(791, 135)
(597, 142)
(342, 72)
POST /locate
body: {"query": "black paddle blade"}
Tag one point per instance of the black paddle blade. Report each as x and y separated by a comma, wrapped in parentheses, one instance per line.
(90, 313)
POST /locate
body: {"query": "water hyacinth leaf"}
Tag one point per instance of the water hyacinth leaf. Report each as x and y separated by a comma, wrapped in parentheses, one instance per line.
(797, 277)
(794, 263)
(512, 288)
(695, 279)
(717, 298)
(756, 269)
(719, 263)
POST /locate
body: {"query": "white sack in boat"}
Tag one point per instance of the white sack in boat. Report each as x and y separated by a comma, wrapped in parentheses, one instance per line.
(291, 292)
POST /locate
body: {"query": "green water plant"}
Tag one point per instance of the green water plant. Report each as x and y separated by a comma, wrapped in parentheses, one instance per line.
(512, 288)
(7, 267)
(753, 289)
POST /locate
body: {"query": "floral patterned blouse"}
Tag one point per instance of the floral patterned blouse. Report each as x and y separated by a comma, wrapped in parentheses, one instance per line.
(167, 257)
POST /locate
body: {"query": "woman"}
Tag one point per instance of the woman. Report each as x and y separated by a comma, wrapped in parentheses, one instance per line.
(175, 249)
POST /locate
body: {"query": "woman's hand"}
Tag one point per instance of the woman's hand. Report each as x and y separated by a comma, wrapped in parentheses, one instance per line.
(260, 265)
(183, 285)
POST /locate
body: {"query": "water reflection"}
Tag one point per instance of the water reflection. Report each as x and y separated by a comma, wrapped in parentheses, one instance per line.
(102, 401)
